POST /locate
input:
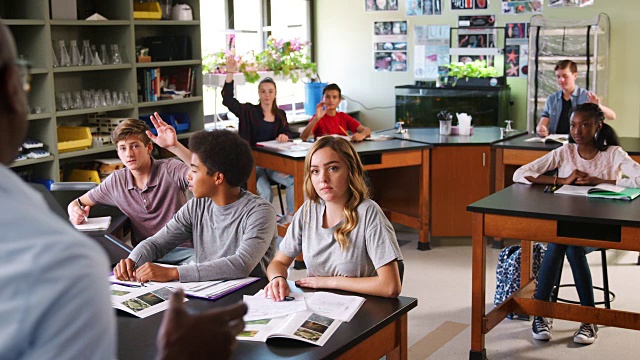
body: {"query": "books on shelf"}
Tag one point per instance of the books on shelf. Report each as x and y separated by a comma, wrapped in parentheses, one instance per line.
(606, 191)
(168, 83)
(559, 138)
(94, 224)
(309, 317)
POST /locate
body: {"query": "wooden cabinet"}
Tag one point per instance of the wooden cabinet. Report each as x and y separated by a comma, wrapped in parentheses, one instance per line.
(460, 175)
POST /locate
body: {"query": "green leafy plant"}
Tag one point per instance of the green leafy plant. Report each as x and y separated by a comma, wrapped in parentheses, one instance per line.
(288, 58)
(475, 69)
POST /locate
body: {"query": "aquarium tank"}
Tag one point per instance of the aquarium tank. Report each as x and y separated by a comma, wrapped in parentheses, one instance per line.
(418, 105)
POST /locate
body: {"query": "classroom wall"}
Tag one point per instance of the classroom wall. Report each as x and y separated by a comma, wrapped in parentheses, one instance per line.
(345, 56)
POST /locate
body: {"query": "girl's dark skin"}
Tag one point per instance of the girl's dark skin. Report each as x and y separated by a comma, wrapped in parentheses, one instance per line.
(583, 130)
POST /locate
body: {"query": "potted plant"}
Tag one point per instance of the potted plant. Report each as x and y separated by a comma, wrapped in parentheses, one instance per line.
(284, 57)
(475, 73)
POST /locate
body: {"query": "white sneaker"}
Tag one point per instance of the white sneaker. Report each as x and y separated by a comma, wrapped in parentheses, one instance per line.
(541, 328)
(586, 335)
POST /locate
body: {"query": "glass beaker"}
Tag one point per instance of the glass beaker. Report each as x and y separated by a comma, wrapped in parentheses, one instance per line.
(445, 127)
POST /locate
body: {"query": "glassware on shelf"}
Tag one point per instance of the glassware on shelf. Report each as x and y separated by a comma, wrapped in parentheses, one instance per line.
(127, 98)
(96, 58)
(87, 59)
(86, 97)
(107, 96)
(114, 98)
(64, 55)
(76, 59)
(96, 101)
(69, 101)
(121, 98)
(62, 101)
(115, 55)
(104, 57)
(77, 100)
(55, 58)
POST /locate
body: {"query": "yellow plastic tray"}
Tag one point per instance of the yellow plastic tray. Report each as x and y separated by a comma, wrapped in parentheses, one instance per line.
(72, 138)
(84, 175)
(147, 11)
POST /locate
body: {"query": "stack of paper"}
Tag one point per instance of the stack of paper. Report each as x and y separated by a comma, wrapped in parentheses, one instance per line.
(95, 224)
(289, 146)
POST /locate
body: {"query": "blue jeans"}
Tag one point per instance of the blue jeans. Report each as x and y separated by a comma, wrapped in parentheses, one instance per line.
(264, 188)
(551, 265)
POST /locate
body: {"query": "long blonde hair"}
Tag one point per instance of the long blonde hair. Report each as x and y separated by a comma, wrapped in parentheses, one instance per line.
(358, 190)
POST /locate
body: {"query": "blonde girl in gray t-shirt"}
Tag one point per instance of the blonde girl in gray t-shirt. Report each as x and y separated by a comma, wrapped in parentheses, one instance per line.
(347, 241)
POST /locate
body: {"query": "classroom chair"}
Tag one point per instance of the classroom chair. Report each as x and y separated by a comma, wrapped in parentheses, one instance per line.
(280, 187)
(609, 296)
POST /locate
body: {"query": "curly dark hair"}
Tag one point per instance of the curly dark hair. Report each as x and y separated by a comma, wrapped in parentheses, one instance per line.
(225, 152)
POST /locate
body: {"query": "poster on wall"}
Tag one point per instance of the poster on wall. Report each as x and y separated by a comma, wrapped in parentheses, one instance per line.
(469, 4)
(381, 5)
(390, 45)
(517, 49)
(424, 7)
(569, 3)
(510, 7)
(431, 50)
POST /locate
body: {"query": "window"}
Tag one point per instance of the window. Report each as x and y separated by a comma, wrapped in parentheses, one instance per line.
(252, 22)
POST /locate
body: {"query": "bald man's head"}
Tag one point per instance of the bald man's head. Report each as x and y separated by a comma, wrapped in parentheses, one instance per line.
(13, 99)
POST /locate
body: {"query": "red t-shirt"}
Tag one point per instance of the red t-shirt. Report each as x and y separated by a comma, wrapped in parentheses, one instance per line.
(330, 125)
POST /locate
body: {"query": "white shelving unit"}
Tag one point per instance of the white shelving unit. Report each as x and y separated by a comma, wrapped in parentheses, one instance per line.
(35, 34)
(585, 42)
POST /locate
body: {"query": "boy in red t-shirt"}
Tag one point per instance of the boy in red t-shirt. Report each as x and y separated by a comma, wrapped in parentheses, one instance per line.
(328, 121)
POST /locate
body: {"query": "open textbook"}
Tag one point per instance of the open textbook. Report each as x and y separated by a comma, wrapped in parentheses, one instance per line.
(607, 191)
(141, 301)
(208, 290)
(559, 138)
(308, 317)
(94, 224)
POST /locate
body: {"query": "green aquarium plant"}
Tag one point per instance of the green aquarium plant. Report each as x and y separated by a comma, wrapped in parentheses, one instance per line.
(475, 69)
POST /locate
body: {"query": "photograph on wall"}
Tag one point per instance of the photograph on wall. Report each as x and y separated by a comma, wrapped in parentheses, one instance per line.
(510, 7)
(569, 3)
(516, 31)
(431, 50)
(476, 21)
(512, 59)
(475, 41)
(390, 45)
(469, 4)
(524, 61)
(424, 7)
(381, 5)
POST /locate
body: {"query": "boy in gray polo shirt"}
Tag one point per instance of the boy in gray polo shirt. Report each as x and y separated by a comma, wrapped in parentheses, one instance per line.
(148, 191)
(233, 231)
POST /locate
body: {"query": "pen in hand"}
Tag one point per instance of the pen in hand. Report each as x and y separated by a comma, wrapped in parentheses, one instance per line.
(343, 130)
(135, 266)
(82, 208)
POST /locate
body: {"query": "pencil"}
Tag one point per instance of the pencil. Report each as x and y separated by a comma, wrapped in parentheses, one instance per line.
(343, 130)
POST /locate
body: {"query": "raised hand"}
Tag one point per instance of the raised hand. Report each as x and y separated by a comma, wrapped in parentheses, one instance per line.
(593, 98)
(167, 136)
(232, 65)
(321, 110)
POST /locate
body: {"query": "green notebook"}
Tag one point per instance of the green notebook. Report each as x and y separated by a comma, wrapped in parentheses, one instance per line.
(606, 191)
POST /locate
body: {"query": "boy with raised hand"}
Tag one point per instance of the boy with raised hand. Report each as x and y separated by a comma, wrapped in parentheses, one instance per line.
(328, 121)
(233, 231)
(147, 190)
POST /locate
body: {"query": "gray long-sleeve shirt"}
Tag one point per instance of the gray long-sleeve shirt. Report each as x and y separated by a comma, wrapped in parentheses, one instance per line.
(230, 242)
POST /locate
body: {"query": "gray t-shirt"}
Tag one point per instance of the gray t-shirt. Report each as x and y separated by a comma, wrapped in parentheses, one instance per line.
(230, 242)
(371, 244)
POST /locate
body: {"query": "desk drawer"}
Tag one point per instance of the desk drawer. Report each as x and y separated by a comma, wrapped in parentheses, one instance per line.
(524, 228)
(521, 157)
(393, 159)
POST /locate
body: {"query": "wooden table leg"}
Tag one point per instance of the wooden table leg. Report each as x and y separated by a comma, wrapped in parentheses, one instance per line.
(478, 277)
(298, 200)
(251, 182)
(424, 241)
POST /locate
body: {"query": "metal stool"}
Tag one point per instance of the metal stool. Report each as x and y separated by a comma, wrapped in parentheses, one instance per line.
(280, 187)
(609, 296)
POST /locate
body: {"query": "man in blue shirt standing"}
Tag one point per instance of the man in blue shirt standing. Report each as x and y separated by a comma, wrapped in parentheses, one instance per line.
(557, 110)
(54, 302)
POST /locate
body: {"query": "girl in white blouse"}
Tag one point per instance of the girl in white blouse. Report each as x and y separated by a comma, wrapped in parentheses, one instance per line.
(593, 157)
